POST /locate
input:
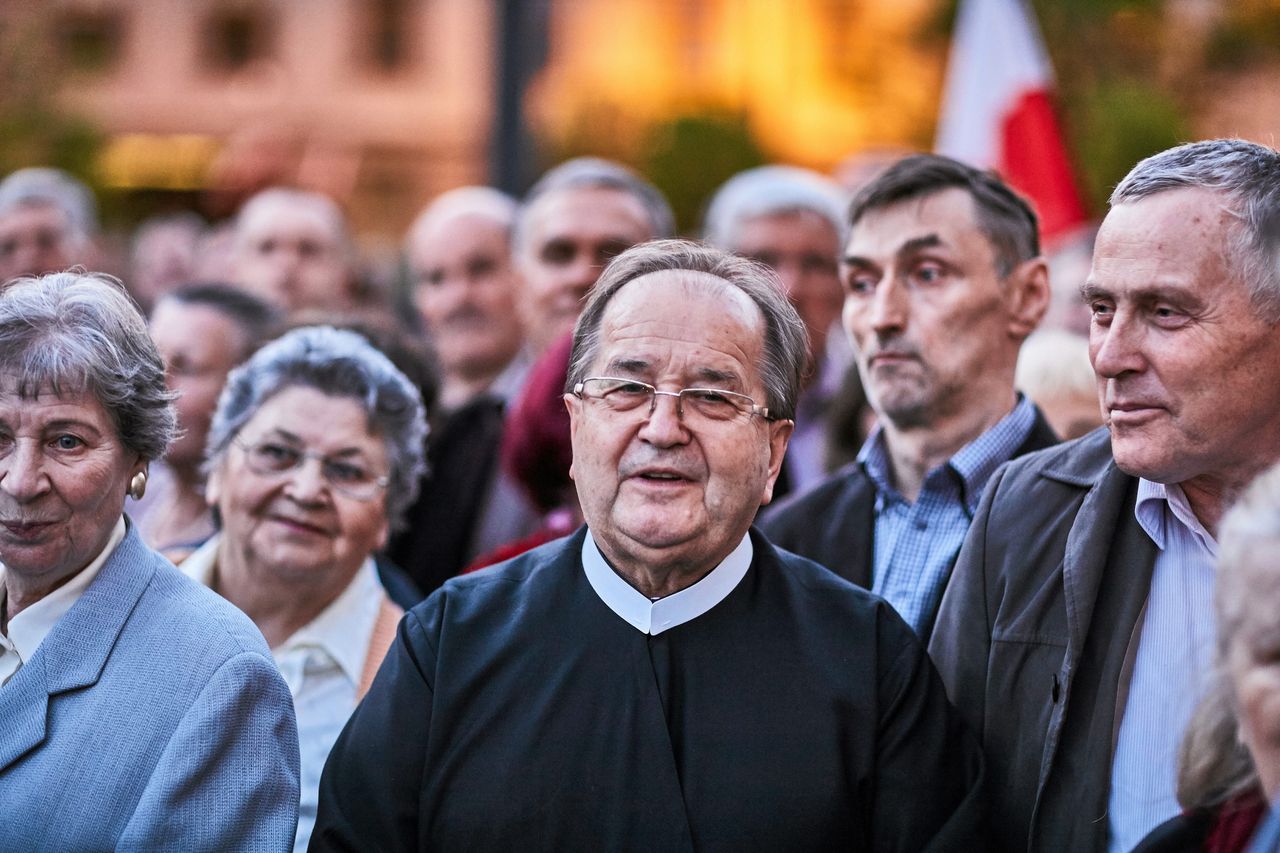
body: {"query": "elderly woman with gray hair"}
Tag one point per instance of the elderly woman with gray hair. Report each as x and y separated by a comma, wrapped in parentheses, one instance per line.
(139, 711)
(314, 453)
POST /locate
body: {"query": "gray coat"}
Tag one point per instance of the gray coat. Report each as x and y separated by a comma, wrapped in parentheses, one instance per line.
(152, 717)
(1032, 635)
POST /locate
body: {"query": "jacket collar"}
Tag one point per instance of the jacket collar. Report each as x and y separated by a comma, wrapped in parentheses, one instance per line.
(75, 652)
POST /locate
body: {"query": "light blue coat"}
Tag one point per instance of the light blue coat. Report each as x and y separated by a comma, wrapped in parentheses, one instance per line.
(152, 717)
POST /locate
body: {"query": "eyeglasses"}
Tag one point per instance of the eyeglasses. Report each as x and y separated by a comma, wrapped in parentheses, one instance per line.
(708, 404)
(347, 475)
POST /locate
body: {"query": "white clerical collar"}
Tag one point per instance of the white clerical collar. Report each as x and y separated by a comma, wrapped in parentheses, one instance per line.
(28, 629)
(654, 617)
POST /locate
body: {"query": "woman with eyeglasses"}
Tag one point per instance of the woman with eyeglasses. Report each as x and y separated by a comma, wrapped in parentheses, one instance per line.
(314, 453)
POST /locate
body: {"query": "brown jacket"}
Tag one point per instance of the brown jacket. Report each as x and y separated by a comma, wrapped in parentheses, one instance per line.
(1032, 636)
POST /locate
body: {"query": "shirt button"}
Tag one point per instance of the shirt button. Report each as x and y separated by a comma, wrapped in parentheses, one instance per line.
(921, 524)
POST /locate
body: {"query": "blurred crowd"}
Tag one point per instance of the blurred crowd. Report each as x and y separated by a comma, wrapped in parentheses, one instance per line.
(444, 445)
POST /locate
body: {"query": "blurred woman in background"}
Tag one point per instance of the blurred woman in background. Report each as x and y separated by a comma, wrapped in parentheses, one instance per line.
(314, 453)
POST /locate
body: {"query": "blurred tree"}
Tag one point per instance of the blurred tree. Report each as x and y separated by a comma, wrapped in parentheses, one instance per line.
(689, 156)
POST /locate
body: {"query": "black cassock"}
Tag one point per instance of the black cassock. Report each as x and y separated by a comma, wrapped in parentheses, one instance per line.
(516, 711)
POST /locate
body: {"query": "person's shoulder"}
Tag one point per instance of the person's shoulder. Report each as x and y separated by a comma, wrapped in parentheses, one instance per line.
(193, 619)
(497, 585)
(812, 580)
(826, 498)
(1079, 462)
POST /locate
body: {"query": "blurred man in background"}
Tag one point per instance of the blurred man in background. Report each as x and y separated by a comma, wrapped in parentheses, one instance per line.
(465, 288)
(48, 222)
(944, 280)
(792, 220)
(572, 222)
(292, 248)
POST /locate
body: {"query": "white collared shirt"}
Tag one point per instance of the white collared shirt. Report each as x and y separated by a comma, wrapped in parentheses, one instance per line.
(322, 663)
(1170, 669)
(654, 617)
(27, 630)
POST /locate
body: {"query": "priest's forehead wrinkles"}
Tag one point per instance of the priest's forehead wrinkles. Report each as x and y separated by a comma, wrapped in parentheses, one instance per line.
(643, 368)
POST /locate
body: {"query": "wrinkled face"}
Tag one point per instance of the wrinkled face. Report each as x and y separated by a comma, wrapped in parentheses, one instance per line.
(567, 237)
(1253, 663)
(36, 239)
(802, 248)
(63, 476)
(661, 489)
(292, 255)
(1186, 369)
(465, 289)
(294, 525)
(925, 308)
(199, 346)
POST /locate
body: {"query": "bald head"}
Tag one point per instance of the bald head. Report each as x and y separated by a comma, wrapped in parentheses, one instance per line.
(459, 257)
(292, 248)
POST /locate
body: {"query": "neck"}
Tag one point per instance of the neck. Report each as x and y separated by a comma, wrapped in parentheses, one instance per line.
(914, 450)
(657, 575)
(1211, 496)
(456, 390)
(277, 607)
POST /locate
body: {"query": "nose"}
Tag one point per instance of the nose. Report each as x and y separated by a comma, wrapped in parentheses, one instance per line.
(1115, 347)
(664, 427)
(306, 484)
(888, 308)
(580, 275)
(22, 472)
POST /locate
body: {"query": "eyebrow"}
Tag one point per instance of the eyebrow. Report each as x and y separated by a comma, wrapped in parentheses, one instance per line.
(1179, 296)
(638, 366)
(64, 423)
(297, 439)
(910, 247)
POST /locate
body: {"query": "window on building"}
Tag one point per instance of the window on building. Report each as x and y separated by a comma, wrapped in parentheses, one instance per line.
(386, 46)
(235, 37)
(90, 40)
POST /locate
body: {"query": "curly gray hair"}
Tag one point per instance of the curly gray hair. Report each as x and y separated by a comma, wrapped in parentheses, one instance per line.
(342, 364)
(76, 332)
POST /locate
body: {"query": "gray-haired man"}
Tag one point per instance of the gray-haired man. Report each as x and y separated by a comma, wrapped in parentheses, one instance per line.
(1077, 632)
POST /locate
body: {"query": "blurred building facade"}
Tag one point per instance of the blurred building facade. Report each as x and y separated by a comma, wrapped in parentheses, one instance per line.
(381, 103)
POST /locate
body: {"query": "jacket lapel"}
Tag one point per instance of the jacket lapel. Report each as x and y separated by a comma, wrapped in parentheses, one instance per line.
(75, 652)
(24, 703)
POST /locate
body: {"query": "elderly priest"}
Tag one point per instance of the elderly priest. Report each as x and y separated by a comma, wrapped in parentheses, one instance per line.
(664, 679)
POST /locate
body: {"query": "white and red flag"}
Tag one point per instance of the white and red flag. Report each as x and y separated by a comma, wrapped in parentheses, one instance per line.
(998, 112)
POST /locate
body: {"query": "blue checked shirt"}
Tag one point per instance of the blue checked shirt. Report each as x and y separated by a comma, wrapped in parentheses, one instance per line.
(916, 544)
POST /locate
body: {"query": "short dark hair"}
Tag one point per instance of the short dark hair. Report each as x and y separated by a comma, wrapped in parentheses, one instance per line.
(256, 318)
(786, 344)
(1004, 217)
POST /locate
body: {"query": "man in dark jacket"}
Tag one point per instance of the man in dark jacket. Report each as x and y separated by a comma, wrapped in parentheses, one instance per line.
(664, 679)
(943, 281)
(1077, 633)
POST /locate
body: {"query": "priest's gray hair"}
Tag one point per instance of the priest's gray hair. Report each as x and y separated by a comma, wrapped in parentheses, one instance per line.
(55, 188)
(343, 364)
(71, 333)
(596, 173)
(770, 191)
(1248, 177)
(786, 344)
